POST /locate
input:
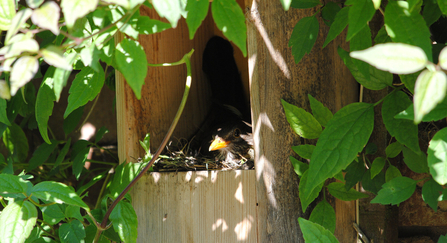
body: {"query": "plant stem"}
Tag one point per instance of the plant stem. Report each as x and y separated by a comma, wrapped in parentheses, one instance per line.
(187, 60)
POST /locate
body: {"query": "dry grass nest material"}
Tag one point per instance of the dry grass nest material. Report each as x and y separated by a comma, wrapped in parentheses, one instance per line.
(178, 156)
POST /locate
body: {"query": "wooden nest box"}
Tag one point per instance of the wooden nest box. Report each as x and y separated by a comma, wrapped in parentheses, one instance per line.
(230, 206)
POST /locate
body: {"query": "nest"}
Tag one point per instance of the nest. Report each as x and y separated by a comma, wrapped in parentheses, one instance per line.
(179, 156)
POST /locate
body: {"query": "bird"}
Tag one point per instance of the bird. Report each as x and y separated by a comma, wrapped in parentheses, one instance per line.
(227, 135)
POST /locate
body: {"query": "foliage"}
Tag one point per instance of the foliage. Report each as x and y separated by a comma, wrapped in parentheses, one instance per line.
(403, 46)
(43, 44)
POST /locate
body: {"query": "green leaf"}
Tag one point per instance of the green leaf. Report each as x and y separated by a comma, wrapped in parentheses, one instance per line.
(320, 112)
(339, 191)
(90, 57)
(361, 41)
(172, 10)
(382, 36)
(125, 24)
(17, 22)
(93, 181)
(409, 80)
(301, 121)
(146, 143)
(73, 212)
(4, 90)
(34, 3)
(429, 90)
(11, 184)
(396, 58)
(442, 239)
(53, 214)
(437, 156)
(47, 17)
(340, 23)
(7, 13)
(304, 151)
(431, 192)
(148, 26)
(431, 11)
(299, 166)
(22, 72)
(60, 158)
(72, 232)
(124, 174)
(354, 173)
(303, 37)
(286, 4)
(417, 162)
(360, 14)
(315, 233)
(41, 154)
(197, 11)
(44, 105)
(3, 117)
(377, 166)
(391, 173)
(125, 221)
(230, 19)
(85, 87)
(19, 46)
(16, 142)
(75, 9)
(344, 137)
(324, 215)
(306, 199)
(443, 58)
(132, 63)
(442, 6)
(375, 184)
(396, 191)
(329, 12)
(72, 120)
(54, 56)
(438, 113)
(79, 162)
(393, 149)
(377, 80)
(103, 130)
(410, 28)
(304, 3)
(17, 221)
(404, 131)
(57, 192)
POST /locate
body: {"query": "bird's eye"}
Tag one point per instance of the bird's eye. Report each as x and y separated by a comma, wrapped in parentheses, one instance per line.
(237, 133)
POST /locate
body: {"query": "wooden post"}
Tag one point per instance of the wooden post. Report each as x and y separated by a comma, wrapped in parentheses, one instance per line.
(274, 76)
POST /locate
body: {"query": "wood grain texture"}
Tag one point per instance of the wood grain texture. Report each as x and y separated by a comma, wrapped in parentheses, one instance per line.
(163, 89)
(205, 206)
(274, 76)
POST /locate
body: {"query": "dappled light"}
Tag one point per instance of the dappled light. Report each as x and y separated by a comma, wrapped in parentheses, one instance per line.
(200, 201)
(275, 54)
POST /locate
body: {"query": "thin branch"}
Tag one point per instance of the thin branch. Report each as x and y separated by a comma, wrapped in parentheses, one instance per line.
(187, 60)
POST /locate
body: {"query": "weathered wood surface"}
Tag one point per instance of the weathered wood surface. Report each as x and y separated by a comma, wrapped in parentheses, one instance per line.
(204, 206)
(163, 89)
(275, 76)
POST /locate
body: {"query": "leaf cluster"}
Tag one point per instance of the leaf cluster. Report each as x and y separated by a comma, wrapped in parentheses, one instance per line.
(402, 46)
(43, 44)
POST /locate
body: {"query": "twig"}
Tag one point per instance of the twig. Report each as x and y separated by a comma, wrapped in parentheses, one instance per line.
(360, 232)
(187, 60)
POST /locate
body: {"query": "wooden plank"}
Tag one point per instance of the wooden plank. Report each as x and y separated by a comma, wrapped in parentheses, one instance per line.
(204, 206)
(274, 75)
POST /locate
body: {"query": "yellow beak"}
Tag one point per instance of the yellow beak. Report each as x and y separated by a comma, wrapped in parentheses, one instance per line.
(218, 143)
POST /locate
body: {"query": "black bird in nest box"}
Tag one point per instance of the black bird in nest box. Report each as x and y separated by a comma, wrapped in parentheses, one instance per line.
(228, 136)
